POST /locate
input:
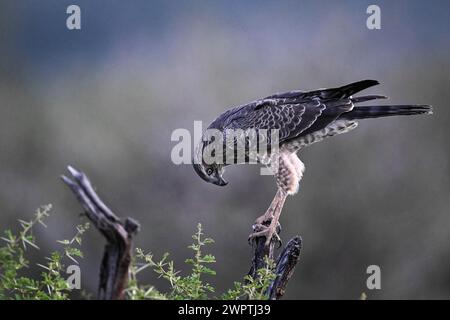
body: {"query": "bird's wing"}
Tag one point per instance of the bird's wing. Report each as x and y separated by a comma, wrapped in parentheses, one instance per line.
(326, 94)
(291, 119)
(297, 113)
(269, 114)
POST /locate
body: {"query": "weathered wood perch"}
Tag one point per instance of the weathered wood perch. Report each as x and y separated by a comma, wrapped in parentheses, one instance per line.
(285, 264)
(119, 236)
(285, 267)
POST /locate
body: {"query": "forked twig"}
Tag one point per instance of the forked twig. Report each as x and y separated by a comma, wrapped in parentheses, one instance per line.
(119, 236)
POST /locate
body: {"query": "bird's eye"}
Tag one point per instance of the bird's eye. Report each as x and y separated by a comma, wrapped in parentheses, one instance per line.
(209, 171)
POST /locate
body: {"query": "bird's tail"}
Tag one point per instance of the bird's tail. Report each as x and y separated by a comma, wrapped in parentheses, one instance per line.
(367, 112)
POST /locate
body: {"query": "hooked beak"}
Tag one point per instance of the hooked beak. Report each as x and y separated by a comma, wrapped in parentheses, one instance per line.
(221, 182)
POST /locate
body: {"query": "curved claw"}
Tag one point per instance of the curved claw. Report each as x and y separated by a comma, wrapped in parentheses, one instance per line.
(261, 230)
(279, 228)
(278, 241)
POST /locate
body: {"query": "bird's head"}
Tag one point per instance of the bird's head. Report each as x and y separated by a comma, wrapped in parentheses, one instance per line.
(212, 173)
(209, 171)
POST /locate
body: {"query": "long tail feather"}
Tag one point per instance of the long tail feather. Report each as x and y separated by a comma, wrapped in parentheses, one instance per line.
(367, 112)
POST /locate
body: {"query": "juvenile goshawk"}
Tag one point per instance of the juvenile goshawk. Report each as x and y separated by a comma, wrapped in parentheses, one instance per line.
(300, 119)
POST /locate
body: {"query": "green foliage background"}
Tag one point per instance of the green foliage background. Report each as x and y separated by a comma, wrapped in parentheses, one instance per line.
(53, 285)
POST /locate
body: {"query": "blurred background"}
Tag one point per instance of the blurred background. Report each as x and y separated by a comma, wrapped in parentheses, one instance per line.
(106, 99)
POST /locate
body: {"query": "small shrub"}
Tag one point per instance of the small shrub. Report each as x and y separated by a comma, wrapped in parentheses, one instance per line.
(51, 283)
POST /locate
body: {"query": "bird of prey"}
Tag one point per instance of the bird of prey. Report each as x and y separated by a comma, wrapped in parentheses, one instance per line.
(301, 119)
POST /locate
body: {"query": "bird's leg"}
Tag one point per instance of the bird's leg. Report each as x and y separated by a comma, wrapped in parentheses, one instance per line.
(268, 215)
(271, 230)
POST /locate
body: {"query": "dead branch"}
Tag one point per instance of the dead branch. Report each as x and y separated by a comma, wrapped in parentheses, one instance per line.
(119, 236)
(260, 251)
(285, 268)
(285, 264)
